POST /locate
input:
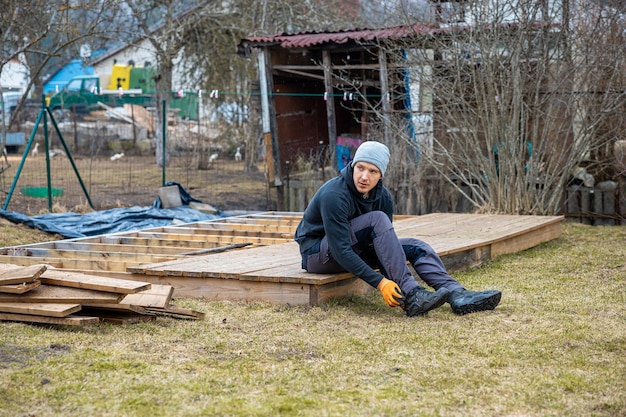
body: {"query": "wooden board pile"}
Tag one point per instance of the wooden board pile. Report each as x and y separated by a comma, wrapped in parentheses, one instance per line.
(42, 294)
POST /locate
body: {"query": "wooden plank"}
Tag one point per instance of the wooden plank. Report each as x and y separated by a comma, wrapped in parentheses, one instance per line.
(69, 263)
(69, 320)
(29, 261)
(464, 232)
(457, 261)
(17, 274)
(54, 294)
(19, 288)
(239, 229)
(347, 287)
(277, 216)
(97, 256)
(92, 282)
(117, 114)
(173, 239)
(178, 311)
(437, 225)
(129, 308)
(164, 241)
(158, 295)
(119, 318)
(141, 115)
(229, 289)
(220, 240)
(293, 273)
(113, 274)
(217, 249)
(525, 241)
(40, 309)
(226, 264)
(153, 250)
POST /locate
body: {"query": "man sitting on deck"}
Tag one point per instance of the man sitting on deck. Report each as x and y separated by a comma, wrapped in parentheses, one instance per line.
(347, 226)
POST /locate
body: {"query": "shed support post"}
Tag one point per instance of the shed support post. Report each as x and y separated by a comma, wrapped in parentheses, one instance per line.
(385, 97)
(268, 115)
(330, 106)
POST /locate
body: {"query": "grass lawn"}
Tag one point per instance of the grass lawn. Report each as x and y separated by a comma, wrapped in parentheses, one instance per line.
(556, 346)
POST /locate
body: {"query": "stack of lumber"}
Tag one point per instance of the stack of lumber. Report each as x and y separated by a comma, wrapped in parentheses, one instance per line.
(42, 294)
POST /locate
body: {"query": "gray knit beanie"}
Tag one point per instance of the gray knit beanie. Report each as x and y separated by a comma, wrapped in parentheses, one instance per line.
(373, 152)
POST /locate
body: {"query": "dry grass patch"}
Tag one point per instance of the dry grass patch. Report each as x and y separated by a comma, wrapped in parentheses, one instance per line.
(554, 347)
(12, 234)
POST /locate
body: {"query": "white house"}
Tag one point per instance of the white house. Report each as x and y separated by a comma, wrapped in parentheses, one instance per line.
(141, 55)
(15, 76)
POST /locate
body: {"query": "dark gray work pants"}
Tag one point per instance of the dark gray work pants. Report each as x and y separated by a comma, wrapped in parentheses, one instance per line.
(375, 241)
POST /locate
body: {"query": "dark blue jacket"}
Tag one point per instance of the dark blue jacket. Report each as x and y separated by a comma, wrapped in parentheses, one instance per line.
(329, 213)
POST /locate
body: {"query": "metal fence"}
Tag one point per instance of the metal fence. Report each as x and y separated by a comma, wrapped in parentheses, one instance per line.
(103, 160)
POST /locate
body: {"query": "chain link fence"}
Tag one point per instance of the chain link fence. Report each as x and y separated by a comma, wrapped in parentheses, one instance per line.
(106, 159)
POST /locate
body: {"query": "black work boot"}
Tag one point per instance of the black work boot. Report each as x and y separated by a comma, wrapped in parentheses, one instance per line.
(419, 301)
(465, 302)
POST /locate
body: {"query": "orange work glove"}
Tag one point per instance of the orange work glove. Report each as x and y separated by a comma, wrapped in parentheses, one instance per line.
(390, 291)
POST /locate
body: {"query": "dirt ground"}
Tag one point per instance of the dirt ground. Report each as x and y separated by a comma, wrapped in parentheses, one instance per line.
(132, 181)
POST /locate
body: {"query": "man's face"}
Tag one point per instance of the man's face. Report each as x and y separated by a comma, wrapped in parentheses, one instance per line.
(365, 176)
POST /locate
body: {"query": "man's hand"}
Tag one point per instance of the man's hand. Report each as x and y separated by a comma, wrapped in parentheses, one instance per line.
(390, 291)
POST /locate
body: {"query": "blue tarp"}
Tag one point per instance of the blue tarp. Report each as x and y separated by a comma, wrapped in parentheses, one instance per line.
(74, 225)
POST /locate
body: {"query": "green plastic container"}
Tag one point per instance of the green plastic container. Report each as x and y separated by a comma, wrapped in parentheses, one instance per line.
(41, 192)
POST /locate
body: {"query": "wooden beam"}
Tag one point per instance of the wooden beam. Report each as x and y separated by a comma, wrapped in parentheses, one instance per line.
(229, 289)
(301, 73)
(216, 250)
(268, 118)
(71, 263)
(153, 250)
(98, 256)
(129, 308)
(69, 320)
(158, 296)
(17, 274)
(177, 311)
(330, 103)
(40, 309)
(385, 93)
(54, 294)
(121, 317)
(92, 282)
(527, 240)
(19, 288)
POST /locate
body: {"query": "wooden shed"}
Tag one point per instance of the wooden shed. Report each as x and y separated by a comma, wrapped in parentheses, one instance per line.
(322, 94)
(316, 89)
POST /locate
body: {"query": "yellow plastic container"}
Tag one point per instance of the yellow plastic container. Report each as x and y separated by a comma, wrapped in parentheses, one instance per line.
(120, 77)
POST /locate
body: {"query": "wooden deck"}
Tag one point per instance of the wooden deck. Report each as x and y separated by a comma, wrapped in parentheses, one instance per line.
(254, 257)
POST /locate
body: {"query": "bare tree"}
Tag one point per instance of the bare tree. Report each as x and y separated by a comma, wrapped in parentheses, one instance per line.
(210, 46)
(45, 34)
(507, 104)
(159, 21)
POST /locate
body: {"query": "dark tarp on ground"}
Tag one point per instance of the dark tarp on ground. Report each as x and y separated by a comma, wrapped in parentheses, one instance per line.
(72, 225)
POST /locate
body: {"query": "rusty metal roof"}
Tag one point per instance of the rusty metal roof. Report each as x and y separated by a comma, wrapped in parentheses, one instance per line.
(308, 39)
